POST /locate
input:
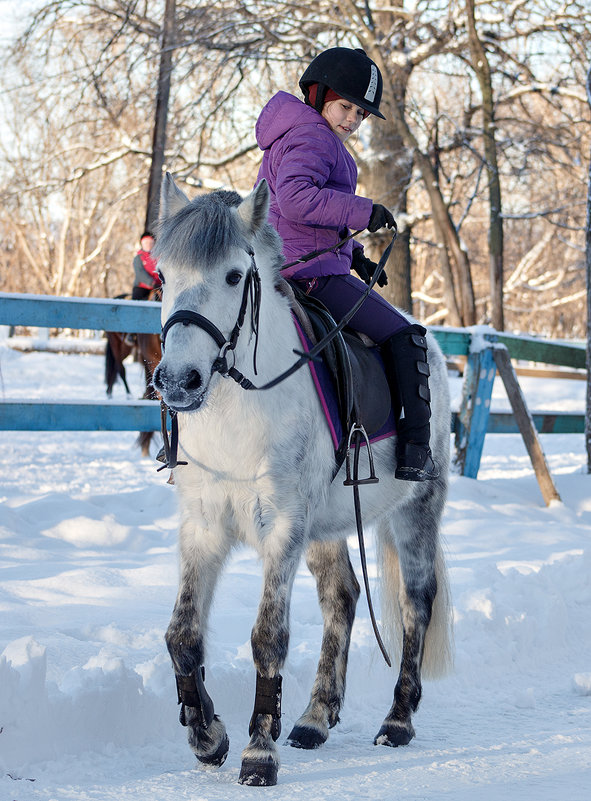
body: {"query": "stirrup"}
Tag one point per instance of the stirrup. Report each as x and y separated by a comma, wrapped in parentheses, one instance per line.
(415, 463)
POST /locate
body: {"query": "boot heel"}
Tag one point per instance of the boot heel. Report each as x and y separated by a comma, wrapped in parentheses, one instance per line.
(415, 463)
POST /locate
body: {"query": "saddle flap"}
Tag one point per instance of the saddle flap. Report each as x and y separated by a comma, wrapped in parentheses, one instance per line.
(371, 394)
(357, 371)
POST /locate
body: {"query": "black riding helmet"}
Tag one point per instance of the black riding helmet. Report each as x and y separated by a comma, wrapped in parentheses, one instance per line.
(349, 73)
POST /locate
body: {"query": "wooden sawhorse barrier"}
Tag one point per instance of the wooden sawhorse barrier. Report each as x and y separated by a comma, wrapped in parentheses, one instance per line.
(486, 352)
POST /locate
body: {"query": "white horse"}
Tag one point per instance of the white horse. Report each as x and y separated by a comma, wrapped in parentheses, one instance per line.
(259, 470)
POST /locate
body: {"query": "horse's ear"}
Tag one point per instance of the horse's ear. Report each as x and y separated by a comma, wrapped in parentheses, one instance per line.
(172, 199)
(255, 209)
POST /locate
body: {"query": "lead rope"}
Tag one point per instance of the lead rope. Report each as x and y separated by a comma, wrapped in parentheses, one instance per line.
(357, 434)
(170, 445)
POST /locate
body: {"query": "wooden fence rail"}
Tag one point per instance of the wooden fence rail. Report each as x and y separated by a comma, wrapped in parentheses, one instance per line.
(470, 423)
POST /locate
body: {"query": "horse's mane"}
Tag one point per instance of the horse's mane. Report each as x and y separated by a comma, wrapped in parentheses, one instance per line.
(202, 231)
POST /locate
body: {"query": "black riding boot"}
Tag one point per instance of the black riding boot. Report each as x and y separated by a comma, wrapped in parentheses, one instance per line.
(405, 358)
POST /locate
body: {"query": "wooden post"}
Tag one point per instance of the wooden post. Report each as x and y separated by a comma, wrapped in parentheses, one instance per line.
(474, 413)
(161, 114)
(526, 424)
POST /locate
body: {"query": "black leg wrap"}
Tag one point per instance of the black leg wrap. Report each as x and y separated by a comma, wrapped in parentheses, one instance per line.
(191, 692)
(267, 701)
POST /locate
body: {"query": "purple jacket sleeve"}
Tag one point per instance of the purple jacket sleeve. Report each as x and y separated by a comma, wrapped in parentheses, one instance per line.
(302, 195)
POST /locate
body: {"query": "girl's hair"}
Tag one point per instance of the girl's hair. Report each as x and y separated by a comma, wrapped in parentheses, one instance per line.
(316, 95)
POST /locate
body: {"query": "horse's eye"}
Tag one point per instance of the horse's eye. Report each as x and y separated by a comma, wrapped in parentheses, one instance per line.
(234, 277)
(161, 277)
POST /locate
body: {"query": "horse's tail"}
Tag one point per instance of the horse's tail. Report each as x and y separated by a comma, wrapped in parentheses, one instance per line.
(438, 651)
(110, 368)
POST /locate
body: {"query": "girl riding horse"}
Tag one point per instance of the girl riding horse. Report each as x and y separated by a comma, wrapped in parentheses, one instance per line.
(312, 178)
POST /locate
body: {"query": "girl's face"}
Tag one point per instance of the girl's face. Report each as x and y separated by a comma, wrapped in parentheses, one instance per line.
(343, 117)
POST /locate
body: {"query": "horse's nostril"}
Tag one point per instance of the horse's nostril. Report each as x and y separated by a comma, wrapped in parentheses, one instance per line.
(193, 380)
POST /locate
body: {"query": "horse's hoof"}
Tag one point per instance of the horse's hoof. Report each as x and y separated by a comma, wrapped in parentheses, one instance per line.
(394, 734)
(210, 745)
(306, 737)
(258, 774)
(218, 758)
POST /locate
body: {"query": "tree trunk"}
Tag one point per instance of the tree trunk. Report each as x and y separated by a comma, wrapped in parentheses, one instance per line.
(481, 68)
(391, 172)
(387, 183)
(443, 223)
(588, 273)
(161, 116)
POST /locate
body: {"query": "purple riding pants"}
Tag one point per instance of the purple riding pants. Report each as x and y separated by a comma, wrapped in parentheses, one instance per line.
(376, 318)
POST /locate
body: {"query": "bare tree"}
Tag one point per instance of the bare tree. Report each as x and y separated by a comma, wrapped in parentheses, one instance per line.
(88, 74)
(482, 70)
(161, 112)
(588, 274)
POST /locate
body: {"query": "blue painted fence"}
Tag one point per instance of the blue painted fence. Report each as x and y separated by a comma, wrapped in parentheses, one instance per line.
(470, 423)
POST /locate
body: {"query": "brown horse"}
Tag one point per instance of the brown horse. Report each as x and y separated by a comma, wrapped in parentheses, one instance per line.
(147, 350)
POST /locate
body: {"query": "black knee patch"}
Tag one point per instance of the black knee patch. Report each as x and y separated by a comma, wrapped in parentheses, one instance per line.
(267, 701)
(192, 693)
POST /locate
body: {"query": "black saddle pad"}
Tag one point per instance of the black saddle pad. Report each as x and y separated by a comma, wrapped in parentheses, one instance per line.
(355, 371)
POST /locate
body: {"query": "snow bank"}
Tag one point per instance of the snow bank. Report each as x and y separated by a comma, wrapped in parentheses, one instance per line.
(88, 562)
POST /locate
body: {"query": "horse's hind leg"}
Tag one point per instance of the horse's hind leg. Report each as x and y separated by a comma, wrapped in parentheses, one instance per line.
(338, 591)
(202, 557)
(410, 558)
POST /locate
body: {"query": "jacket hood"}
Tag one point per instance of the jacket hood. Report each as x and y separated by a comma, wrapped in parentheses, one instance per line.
(280, 115)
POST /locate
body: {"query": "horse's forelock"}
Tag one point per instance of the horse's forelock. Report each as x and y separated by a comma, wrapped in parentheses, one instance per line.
(202, 232)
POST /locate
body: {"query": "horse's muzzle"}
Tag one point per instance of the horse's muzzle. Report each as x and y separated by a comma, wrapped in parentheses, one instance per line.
(181, 393)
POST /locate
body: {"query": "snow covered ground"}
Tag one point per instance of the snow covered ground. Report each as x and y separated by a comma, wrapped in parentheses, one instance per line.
(88, 579)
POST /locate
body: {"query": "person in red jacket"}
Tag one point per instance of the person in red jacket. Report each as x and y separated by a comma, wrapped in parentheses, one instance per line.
(144, 267)
(146, 276)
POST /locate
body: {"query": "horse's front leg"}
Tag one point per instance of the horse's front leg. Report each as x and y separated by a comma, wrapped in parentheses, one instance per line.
(203, 553)
(270, 640)
(338, 591)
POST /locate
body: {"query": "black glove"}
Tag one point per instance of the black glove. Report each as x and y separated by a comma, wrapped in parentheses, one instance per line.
(365, 268)
(380, 218)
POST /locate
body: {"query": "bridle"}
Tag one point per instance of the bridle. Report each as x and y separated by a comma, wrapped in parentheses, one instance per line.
(252, 292)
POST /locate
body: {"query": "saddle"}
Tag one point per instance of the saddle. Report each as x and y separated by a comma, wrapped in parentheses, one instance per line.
(355, 369)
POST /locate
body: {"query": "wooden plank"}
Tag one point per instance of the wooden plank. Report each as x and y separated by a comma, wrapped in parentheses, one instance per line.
(23, 415)
(37, 415)
(456, 342)
(526, 425)
(544, 422)
(532, 350)
(88, 313)
(547, 372)
(452, 341)
(475, 410)
(458, 363)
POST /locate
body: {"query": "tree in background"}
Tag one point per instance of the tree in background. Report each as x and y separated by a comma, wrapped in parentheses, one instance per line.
(588, 275)
(86, 74)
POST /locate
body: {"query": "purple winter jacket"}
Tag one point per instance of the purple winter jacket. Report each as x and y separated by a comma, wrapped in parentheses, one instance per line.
(312, 178)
